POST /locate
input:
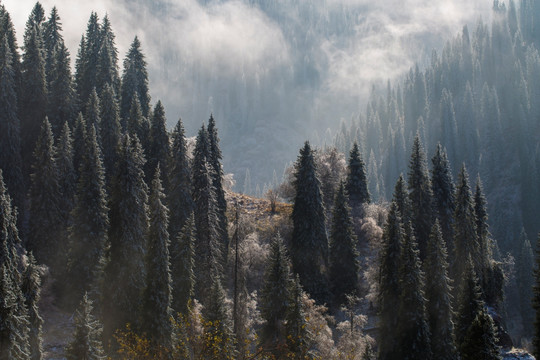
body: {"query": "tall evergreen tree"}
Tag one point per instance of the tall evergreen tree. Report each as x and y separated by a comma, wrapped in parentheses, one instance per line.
(86, 343)
(389, 284)
(442, 186)
(298, 335)
(90, 224)
(469, 302)
(92, 113)
(79, 141)
(44, 226)
(357, 186)
(110, 129)
(484, 249)
(137, 124)
(134, 81)
(182, 265)
(52, 39)
(86, 79)
(31, 288)
(481, 340)
(10, 137)
(214, 160)
(7, 30)
(420, 196)
(401, 198)
(158, 150)
(536, 302)
(275, 295)
(439, 298)
(179, 195)
(344, 266)
(525, 282)
(413, 327)
(309, 244)
(107, 68)
(157, 296)
(125, 271)
(465, 234)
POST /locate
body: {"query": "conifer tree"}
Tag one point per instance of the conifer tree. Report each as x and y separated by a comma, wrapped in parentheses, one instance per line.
(107, 68)
(90, 224)
(92, 113)
(413, 328)
(214, 160)
(298, 335)
(52, 38)
(481, 339)
(79, 141)
(420, 196)
(157, 296)
(86, 343)
(44, 226)
(439, 298)
(275, 295)
(309, 244)
(7, 29)
(179, 195)
(31, 288)
(525, 282)
(357, 186)
(33, 102)
(469, 302)
(10, 137)
(344, 266)
(87, 70)
(442, 186)
(134, 81)
(484, 248)
(389, 284)
(137, 124)
(182, 265)
(110, 129)
(127, 235)
(401, 198)
(158, 150)
(465, 234)
(536, 302)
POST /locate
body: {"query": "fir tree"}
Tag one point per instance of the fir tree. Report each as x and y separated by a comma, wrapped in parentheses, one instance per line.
(87, 70)
(31, 288)
(344, 266)
(439, 298)
(90, 223)
(79, 141)
(214, 160)
(298, 335)
(525, 282)
(44, 227)
(127, 236)
(157, 296)
(92, 112)
(413, 327)
(7, 30)
(309, 244)
(158, 150)
(469, 302)
(275, 296)
(10, 137)
(356, 178)
(484, 248)
(401, 198)
(134, 81)
(110, 130)
(442, 186)
(182, 265)
(389, 284)
(86, 343)
(137, 124)
(420, 196)
(481, 340)
(107, 68)
(179, 195)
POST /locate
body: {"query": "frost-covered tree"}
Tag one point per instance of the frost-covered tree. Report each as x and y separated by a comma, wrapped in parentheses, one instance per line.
(125, 272)
(134, 81)
(309, 244)
(357, 186)
(439, 299)
(31, 289)
(344, 265)
(86, 343)
(182, 253)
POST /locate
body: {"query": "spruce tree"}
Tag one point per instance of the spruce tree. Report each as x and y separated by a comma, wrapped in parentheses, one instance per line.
(52, 38)
(275, 296)
(44, 226)
(469, 302)
(465, 234)
(157, 296)
(87, 70)
(125, 272)
(481, 339)
(179, 195)
(7, 29)
(92, 113)
(110, 130)
(298, 335)
(79, 141)
(389, 284)
(107, 68)
(134, 81)
(439, 298)
(536, 302)
(86, 343)
(158, 150)
(344, 266)
(420, 196)
(357, 186)
(442, 186)
(525, 282)
(137, 124)
(214, 160)
(182, 265)
(484, 249)
(90, 224)
(10, 137)
(413, 328)
(31, 288)
(401, 198)
(309, 244)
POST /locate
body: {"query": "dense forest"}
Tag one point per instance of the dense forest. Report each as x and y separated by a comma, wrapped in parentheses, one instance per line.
(123, 239)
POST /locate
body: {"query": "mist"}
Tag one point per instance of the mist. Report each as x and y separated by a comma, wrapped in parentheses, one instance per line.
(273, 72)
